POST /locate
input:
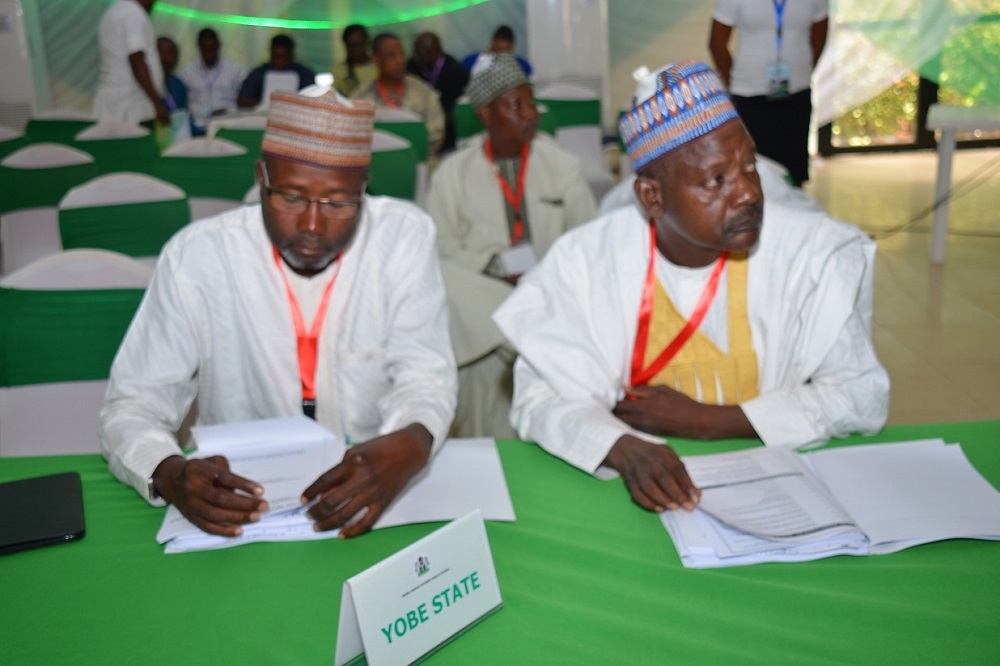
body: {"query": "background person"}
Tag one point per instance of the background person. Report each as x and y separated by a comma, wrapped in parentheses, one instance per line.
(131, 82)
(514, 189)
(282, 60)
(779, 45)
(213, 82)
(443, 73)
(358, 69)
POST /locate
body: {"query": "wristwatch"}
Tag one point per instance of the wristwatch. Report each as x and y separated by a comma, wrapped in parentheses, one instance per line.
(151, 489)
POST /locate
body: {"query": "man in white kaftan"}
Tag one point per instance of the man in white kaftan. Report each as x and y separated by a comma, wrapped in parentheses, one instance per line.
(698, 312)
(475, 222)
(574, 319)
(216, 328)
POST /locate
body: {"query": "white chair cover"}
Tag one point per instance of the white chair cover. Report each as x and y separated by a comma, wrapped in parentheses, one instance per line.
(202, 207)
(28, 235)
(386, 115)
(204, 148)
(120, 188)
(63, 114)
(111, 129)
(241, 122)
(28, 424)
(9, 133)
(81, 269)
(567, 91)
(45, 156)
(382, 141)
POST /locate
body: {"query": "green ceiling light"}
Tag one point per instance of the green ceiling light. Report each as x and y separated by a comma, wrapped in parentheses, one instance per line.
(381, 18)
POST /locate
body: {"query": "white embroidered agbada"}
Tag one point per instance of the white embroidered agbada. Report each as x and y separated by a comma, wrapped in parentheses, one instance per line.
(215, 326)
(573, 321)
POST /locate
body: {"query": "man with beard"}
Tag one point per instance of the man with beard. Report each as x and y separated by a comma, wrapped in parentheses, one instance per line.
(697, 313)
(499, 204)
(320, 300)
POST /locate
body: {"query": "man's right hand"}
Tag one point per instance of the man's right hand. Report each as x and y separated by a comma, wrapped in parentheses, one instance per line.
(653, 473)
(209, 495)
(162, 114)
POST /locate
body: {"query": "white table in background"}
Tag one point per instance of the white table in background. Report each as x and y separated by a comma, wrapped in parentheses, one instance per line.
(950, 120)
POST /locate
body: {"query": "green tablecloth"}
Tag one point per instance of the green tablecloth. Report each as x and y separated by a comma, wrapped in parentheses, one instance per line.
(586, 577)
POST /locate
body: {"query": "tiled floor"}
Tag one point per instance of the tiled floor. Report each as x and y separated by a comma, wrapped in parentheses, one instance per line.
(937, 328)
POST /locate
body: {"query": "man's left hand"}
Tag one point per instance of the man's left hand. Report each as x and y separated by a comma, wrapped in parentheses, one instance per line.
(356, 492)
(660, 410)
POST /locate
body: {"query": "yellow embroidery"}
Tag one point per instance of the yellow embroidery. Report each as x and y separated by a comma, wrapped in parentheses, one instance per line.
(700, 369)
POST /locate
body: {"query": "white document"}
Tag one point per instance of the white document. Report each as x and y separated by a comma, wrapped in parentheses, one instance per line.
(414, 601)
(517, 260)
(465, 475)
(773, 505)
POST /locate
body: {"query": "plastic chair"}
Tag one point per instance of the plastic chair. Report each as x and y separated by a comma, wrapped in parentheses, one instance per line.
(32, 181)
(57, 125)
(61, 322)
(131, 213)
(118, 146)
(394, 166)
(214, 173)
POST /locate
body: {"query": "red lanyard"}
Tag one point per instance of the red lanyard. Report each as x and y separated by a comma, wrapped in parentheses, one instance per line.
(642, 376)
(389, 100)
(514, 199)
(307, 341)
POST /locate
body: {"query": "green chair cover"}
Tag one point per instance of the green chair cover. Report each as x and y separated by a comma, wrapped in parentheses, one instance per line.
(112, 155)
(54, 131)
(62, 336)
(413, 131)
(38, 188)
(467, 123)
(219, 177)
(574, 112)
(547, 121)
(248, 138)
(394, 173)
(11, 145)
(136, 229)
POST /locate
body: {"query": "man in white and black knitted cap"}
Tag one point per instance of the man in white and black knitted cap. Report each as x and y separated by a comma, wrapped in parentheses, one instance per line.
(499, 204)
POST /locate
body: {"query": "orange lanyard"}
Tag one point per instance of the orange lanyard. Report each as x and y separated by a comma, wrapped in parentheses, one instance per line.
(388, 99)
(514, 199)
(307, 341)
(642, 376)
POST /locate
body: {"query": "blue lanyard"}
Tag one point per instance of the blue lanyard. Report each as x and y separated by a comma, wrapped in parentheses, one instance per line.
(779, 15)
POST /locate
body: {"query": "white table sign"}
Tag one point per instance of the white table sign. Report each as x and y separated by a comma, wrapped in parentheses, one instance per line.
(415, 601)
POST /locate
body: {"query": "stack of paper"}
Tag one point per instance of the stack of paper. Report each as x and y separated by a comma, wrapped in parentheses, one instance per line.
(773, 505)
(286, 455)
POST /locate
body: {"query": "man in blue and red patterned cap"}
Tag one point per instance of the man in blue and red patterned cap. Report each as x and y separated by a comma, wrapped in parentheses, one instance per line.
(700, 312)
(321, 300)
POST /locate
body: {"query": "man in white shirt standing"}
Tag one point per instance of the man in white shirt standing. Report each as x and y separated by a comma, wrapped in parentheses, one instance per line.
(131, 83)
(700, 312)
(320, 300)
(212, 83)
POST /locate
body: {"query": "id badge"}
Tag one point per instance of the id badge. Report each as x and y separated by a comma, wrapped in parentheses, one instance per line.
(778, 74)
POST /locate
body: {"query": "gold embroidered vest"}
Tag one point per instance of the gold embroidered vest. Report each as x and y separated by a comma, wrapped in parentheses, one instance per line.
(700, 370)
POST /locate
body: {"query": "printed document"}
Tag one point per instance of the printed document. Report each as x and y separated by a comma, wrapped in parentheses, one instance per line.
(287, 455)
(774, 505)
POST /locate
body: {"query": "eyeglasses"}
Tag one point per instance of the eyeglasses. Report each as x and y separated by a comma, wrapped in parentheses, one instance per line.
(290, 203)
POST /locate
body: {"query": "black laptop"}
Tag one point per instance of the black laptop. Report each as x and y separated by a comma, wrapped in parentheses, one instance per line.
(40, 511)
